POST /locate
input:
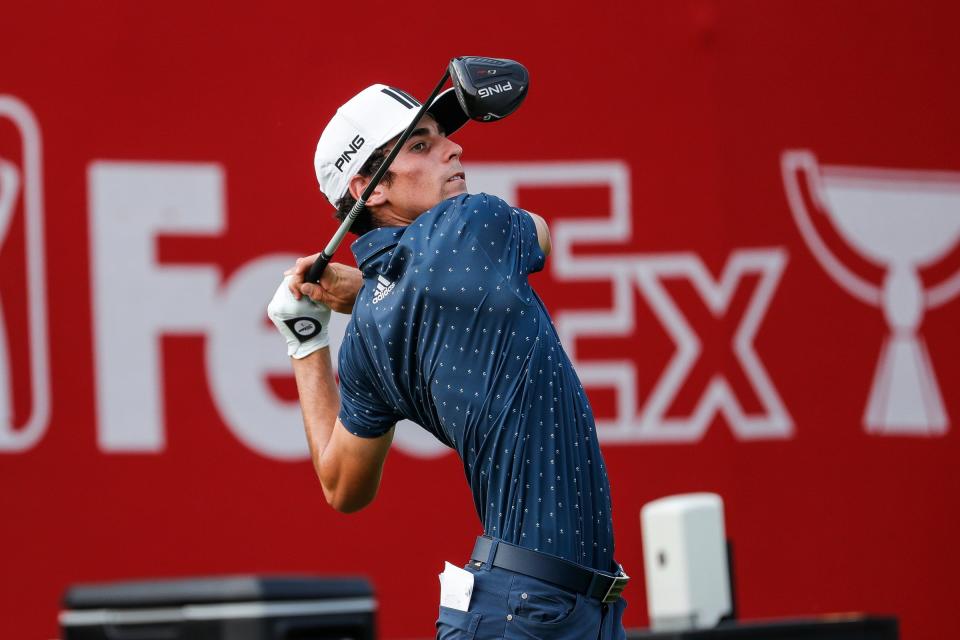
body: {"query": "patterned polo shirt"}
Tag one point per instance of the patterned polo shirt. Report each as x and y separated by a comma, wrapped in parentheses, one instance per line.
(447, 332)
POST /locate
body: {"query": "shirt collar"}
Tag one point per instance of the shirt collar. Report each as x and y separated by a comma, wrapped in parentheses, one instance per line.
(375, 242)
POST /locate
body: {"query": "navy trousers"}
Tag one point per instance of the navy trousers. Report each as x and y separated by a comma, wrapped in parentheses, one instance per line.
(510, 606)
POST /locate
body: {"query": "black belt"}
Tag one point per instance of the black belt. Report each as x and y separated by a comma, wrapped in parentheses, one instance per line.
(563, 573)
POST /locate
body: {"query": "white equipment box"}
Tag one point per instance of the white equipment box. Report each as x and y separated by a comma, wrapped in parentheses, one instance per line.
(685, 561)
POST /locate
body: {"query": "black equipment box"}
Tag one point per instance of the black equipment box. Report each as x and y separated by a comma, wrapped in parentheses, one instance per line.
(838, 627)
(221, 608)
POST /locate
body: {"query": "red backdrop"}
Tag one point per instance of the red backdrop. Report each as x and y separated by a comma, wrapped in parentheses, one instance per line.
(682, 112)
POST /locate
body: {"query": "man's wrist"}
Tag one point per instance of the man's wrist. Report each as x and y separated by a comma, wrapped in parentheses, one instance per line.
(316, 352)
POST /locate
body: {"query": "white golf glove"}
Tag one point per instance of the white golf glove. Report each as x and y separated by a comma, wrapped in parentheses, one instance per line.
(304, 323)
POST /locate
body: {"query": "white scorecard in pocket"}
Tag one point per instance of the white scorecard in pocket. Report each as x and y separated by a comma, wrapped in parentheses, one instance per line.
(456, 587)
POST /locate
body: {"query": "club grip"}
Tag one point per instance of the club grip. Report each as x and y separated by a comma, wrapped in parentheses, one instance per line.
(317, 268)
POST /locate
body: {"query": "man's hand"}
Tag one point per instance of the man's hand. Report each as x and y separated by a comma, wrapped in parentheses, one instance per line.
(338, 286)
(304, 323)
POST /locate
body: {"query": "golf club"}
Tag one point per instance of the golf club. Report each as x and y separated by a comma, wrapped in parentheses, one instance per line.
(488, 89)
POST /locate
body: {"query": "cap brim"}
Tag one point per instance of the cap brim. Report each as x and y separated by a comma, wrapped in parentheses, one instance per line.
(448, 113)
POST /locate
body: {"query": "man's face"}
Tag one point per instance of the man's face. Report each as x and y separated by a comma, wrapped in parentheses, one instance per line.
(426, 171)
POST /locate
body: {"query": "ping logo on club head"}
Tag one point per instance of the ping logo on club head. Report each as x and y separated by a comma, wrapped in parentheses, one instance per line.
(344, 157)
(486, 92)
(304, 328)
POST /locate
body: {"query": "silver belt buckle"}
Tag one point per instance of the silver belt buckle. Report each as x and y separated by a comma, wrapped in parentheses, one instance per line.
(616, 588)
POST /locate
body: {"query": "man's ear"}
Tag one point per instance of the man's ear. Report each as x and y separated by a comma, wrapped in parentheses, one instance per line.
(359, 183)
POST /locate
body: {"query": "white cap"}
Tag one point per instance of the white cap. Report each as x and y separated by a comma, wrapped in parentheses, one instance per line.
(366, 122)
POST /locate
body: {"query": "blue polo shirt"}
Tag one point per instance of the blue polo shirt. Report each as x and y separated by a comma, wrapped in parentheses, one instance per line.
(447, 332)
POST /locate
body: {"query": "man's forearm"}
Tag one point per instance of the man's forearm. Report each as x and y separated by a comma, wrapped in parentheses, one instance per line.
(319, 399)
(348, 467)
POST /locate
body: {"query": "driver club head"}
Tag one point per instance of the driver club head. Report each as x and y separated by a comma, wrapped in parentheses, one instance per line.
(488, 89)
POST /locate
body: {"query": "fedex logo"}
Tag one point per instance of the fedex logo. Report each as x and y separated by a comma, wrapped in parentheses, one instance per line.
(132, 204)
(188, 299)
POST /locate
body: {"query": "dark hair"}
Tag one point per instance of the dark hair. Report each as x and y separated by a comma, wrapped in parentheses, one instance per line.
(365, 221)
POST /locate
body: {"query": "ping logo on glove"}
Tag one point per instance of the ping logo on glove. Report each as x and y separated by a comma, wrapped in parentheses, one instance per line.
(303, 328)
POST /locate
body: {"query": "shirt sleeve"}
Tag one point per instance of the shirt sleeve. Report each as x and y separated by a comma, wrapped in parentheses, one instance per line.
(508, 235)
(363, 409)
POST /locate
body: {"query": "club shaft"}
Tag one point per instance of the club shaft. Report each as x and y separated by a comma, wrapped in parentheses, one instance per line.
(317, 268)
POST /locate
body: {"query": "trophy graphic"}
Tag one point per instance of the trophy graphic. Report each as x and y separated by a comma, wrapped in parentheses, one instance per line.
(901, 221)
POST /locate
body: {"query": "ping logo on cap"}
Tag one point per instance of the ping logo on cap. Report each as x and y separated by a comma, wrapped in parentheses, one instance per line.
(344, 157)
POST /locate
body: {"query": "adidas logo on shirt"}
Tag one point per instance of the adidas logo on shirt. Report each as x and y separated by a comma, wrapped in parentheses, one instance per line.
(384, 287)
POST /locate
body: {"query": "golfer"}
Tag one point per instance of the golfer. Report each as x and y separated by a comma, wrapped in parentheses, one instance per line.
(446, 331)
